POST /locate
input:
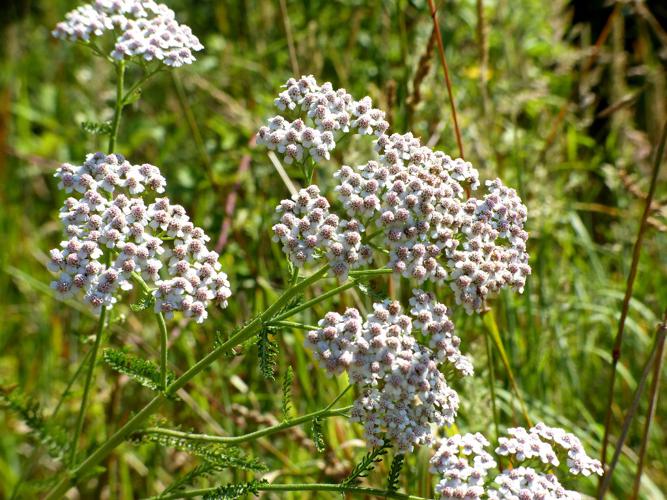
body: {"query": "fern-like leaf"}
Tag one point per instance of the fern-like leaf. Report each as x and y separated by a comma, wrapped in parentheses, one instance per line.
(395, 472)
(367, 464)
(138, 369)
(287, 393)
(219, 455)
(96, 128)
(145, 301)
(189, 477)
(55, 440)
(267, 351)
(366, 288)
(231, 491)
(318, 435)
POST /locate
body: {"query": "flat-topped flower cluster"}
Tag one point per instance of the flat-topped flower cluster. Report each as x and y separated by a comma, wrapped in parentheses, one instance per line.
(143, 28)
(401, 390)
(114, 234)
(464, 464)
(414, 199)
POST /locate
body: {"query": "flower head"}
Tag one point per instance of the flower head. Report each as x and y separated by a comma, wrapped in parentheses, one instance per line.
(402, 391)
(412, 201)
(143, 28)
(114, 234)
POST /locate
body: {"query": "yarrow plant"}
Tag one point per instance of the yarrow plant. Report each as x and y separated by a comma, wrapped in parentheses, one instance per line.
(465, 464)
(408, 211)
(143, 30)
(154, 242)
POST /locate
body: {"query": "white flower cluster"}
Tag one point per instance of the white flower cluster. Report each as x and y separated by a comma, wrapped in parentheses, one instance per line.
(308, 231)
(463, 480)
(113, 234)
(432, 318)
(460, 478)
(536, 443)
(144, 28)
(329, 112)
(415, 196)
(402, 392)
(525, 483)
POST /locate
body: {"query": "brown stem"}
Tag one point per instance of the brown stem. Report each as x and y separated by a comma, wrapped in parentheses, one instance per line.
(443, 61)
(652, 360)
(616, 352)
(653, 395)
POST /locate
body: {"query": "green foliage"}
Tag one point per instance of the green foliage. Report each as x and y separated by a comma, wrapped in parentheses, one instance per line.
(366, 287)
(286, 405)
(267, 351)
(52, 438)
(318, 435)
(145, 301)
(394, 476)
(367, 464)
(96, 128)
(197, 472)
(231, 491)
(140, 370)
(220, 456)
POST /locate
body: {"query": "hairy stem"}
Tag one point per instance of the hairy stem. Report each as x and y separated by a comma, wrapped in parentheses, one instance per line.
(252, 436)
(340, 488)
(118, 109)
(86, 385)
(636, 251)
(245, 333)
(163, 350)
(294, 324)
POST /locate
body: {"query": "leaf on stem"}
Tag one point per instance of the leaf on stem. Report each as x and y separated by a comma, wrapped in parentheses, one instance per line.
(395, 472)
(267, 350)
(54, 439)
(287, 393)
(230, 491)
(138, 369)
(367, 464)
(96, 128)
(145, 301)
(318, 435)
(219, 456)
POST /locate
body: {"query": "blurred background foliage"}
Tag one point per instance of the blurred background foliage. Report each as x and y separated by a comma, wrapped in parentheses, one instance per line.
(570, 126)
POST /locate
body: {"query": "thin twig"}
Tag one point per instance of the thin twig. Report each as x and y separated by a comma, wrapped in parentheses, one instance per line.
(290, 39)
(653, 400)
(657, 347)
(423, 68)
(616, 352)
(443, 61)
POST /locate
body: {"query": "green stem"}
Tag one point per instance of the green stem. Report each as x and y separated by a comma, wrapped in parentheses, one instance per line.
(163, 350)
(252, 436)
(118, 109)
(294, 324)
(141, 81)
(137, 421)
(359, 490)
(308, 304)
(164, 336)
(87, 383)
(370, 272)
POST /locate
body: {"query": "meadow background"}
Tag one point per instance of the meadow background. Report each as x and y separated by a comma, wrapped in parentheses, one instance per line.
(570, 124)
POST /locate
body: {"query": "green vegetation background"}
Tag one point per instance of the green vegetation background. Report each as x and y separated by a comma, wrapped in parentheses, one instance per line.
(582, 178)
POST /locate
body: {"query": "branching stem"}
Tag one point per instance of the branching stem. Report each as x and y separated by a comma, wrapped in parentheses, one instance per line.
(245, 333)
(252, 436)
